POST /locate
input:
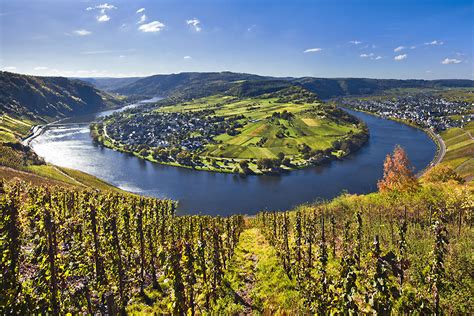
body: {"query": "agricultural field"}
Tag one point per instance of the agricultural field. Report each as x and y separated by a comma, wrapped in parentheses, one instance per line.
(10, 128)
(227, 130)
(460, 150)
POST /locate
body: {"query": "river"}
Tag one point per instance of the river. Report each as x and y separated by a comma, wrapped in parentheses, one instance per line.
(201, 192)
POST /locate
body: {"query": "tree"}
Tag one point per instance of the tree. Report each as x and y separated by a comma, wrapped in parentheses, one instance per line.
(244, 166)
(184, 157)
(265, 163)
(143, 152)
(398, 173)
(280, 157)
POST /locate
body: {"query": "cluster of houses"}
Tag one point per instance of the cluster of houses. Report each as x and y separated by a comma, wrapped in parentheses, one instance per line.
(189, 131)
(427, 111)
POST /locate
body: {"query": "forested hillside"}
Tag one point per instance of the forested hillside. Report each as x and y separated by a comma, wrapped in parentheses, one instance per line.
(185, 84)
(26, 101)
(195, 84)
(47, 98)
(327, 88)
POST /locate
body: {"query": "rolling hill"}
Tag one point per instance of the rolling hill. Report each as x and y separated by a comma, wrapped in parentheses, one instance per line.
(48, 98)
(194, 85)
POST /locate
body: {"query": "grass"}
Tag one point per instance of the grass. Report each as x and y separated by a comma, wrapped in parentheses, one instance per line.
(253, 283)
(256, 280)
(61, 175)
(460, 150)
(89, 180)
(7, 174)
(315, 131)
(52, 172)
(11, 127)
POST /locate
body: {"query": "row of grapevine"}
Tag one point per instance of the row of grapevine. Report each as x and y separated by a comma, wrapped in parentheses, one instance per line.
(82, 251)
(365, 260)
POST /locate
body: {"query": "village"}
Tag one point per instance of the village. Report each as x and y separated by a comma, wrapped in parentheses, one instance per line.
(190, 131)
(423, 110)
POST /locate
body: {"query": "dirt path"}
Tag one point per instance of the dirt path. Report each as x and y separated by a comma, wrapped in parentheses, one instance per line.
(470, 135)
(256, 279)
(69, 177)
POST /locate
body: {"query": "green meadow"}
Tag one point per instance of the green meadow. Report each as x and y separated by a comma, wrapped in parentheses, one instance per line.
(264, 136)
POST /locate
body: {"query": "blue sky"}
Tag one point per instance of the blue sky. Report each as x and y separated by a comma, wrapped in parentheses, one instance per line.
(332, 38)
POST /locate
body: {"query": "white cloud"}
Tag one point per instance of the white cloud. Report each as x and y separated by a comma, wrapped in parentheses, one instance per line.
(450, 61)
(371, 56)
(140, 10)
(187, 57)
(412, 47)
(142, 19)
(400, 57)
(152, 27)
(103, 18)
(355, 42)
(9, 68)
(40, 68)
(82, 32)
(195, 24)
(313, 50)
(399, 49)
(102, 7)
(435, 43)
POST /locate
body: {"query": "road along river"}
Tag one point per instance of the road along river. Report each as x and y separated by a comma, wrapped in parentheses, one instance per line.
(216, 193)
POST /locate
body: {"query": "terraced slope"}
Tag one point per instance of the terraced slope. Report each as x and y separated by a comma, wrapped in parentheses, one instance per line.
(460, 150)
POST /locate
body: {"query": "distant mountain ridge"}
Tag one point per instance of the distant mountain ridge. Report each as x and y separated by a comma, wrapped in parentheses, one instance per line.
(48, 98)
(199, 84)
(108, 84)
(327, 88)
(186, 85)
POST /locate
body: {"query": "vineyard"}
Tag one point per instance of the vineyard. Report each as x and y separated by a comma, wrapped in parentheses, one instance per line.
(368, 255)
(83, 252)
(405, 249)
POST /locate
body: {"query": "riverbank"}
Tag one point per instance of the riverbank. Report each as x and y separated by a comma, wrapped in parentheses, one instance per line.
(437, 139)
(36, 131)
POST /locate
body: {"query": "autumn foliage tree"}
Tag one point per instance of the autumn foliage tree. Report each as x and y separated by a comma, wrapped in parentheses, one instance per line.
(398, 173)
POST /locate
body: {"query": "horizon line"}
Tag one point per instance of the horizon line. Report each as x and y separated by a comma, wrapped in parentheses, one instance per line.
(227, 71)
